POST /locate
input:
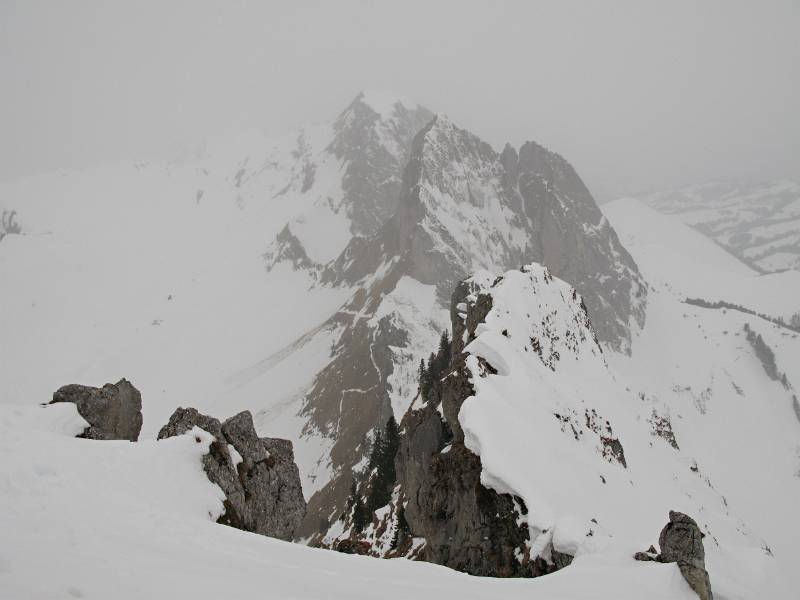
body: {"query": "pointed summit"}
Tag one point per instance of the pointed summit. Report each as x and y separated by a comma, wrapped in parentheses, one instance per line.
(386, 103)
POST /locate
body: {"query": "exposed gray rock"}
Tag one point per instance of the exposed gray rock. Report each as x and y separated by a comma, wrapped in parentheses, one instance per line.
(374, 149)
(451, 176)
(681, 542)
(545, 203)
(465, 526)
(288, 248)
(8, 223)
(114, 412)
(259, 477)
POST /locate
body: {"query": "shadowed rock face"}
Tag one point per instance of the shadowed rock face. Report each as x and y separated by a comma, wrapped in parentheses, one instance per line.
(681, 542)
(450, 518)
(374, 148)
(114, 412)
(259, 477)
(463, 208)
(466, 526)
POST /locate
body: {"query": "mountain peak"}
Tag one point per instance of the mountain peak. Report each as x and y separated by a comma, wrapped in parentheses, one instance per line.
(384, 103)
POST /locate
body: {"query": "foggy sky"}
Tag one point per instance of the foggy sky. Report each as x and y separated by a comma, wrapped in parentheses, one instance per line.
(637, 95)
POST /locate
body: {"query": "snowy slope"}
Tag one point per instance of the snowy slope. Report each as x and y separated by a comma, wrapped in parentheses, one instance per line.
(88, 519)
(599, 445)
(121, 272)
(678, 258)
(161, 272)
(727, 414)
(568, 473)
(759, 222)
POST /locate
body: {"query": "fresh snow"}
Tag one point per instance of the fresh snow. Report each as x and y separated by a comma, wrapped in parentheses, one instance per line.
(540, 433)
(412, 306)
(672, 255)
(90, 519)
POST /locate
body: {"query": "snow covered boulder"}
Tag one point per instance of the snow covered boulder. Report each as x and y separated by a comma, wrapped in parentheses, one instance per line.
(259, 476)
(114, 412)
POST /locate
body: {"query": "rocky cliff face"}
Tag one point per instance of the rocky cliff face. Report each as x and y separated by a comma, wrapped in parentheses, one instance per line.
(462, 208)
(449, 516)
(351, 172)
(259, 477)
(465, 208)
(521, 449)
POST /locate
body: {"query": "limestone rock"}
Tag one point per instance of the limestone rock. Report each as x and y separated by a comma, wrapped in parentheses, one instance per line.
(681, 542)
(114, 412)
(259, 477)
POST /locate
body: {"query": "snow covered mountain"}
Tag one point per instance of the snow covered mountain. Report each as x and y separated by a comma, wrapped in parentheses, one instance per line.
(89, 519)
(530, 448)
(759, 223)
(304, 278)
(729, 413)
(462, 207)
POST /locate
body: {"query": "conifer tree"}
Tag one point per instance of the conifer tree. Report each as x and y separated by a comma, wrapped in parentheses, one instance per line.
(382, 462)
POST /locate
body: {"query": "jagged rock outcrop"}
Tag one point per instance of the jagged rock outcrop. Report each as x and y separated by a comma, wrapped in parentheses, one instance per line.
(259, 477)
(521, 449)
(465, 525)
(681, 542)
(352, 172)
(462, 208)
(114, 411)
(441, 510)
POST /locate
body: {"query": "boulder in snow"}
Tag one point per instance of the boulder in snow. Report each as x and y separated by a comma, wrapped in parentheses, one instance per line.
(259, 476)
(681, 542)
(114, 411)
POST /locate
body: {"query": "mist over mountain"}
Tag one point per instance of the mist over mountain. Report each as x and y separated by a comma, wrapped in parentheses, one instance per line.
(384, 336)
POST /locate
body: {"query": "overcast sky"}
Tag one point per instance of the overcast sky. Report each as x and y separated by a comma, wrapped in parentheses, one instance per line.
(637, 95)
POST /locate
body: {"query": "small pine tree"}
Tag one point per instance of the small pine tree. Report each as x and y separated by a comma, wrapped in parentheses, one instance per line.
(382, 460)
(402, 529)
(376, 452)
(443, 355)
(392, 437)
